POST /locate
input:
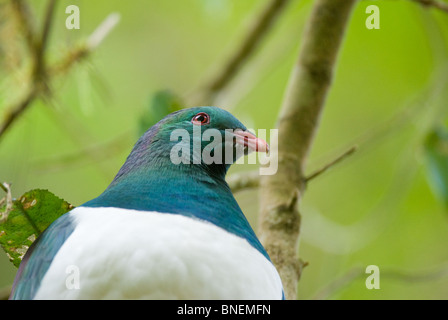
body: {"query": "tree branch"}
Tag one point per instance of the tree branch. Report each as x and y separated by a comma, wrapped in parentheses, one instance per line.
(81, 52)
(251, 179)
(41, 74)
(244, 180)
(25, 21)
(260, 28)
(47, 24)
(15, 110)
(343, 156)
(298, 122)
(37, 48)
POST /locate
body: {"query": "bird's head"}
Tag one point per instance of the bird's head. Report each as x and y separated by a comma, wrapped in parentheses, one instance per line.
(209, 138)
(206, 135)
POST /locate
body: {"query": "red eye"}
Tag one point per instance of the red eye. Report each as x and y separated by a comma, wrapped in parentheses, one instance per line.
(201, 118)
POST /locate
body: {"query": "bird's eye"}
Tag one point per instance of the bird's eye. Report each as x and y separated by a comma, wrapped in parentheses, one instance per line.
(201, 118)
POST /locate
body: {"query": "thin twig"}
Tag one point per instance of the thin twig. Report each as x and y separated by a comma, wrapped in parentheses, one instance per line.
(94, 153)
(343, 156)
(3, 187)
(102, 31)
(25, 20)
(395, 275)
(248, 180)
(39, 67)
(8, 199)
(339, 283)
(434, 4)
(260, 28)
(47, 23)
(80, 52)
(42, 74)
(15, 110)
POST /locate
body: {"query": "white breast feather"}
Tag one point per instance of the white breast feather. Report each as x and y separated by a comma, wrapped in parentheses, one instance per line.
(129, 254)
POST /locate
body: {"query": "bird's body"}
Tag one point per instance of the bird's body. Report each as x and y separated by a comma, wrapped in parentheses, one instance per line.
(159, 231)
(168, 256)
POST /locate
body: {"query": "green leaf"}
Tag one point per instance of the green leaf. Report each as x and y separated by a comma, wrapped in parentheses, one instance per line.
(31, 214)
(162, 103)
(436, 154)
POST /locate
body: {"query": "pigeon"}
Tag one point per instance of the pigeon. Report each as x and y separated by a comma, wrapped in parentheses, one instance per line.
(166, 228)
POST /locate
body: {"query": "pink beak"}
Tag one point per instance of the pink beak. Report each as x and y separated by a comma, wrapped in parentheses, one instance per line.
(249, 140)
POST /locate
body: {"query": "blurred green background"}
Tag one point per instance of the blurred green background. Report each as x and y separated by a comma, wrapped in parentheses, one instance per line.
(385, 205)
